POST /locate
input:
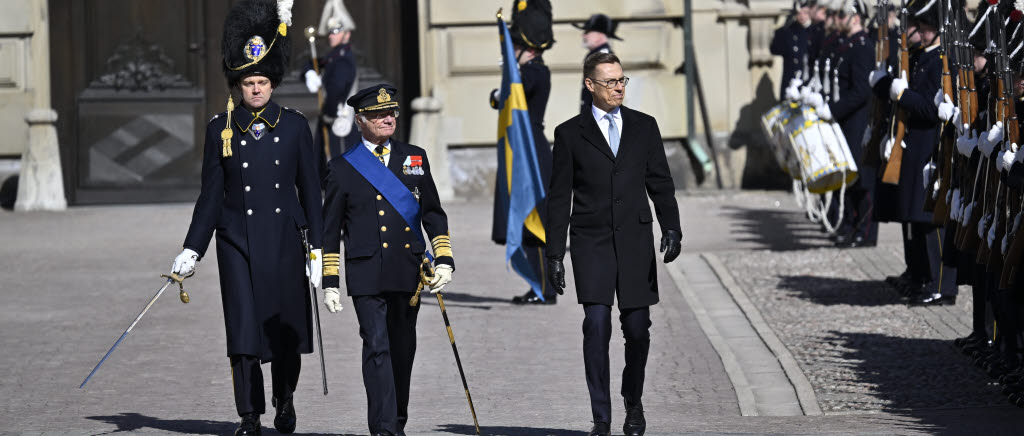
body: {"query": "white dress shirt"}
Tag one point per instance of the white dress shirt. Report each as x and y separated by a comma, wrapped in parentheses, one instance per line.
(373, 147)
(602, 122)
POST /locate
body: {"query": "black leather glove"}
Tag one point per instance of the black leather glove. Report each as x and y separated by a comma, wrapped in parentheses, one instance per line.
(671, 244)
(556, 275)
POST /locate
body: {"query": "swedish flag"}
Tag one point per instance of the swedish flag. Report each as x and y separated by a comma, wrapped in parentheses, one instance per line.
(520, 186)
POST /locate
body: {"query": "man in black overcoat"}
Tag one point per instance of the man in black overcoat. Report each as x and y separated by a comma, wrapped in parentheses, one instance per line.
(607, 163)
(260, 188)
(384, 251)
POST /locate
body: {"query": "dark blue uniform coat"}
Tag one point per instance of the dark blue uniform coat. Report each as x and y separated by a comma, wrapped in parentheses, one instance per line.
(610, 223)
(356, 212)
(856, 58)
(905, 202)
(338, 75)
(794, 43)
(257, 200)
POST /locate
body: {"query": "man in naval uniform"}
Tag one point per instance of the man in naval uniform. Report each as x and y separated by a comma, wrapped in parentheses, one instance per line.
(380, 198)
(597, 30)
(338, 79)
(260, 190)
(793, 41)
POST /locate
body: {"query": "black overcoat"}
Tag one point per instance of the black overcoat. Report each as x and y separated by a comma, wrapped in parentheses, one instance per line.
(905, 202)
(610, 227)
(381, 252)
(257, 200)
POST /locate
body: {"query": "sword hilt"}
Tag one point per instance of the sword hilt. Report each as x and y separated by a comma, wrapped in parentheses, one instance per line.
(181, 288)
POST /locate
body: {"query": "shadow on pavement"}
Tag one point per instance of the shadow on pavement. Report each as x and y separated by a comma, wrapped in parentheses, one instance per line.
(775, 229)
(507, 431)
(829, 291)
(461, 297)
(924, 379)
(131, 423)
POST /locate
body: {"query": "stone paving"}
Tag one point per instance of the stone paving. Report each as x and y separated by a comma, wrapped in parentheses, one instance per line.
(71, 282)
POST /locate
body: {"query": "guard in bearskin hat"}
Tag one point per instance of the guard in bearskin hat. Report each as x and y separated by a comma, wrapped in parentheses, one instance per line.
(597, 30)
(531, 36)
(260, 191)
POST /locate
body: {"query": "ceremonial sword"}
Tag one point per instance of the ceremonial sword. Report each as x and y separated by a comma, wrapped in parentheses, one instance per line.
(173, 278)
(316, 307)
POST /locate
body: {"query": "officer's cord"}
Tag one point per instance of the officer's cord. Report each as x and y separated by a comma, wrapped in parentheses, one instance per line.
(426, 277)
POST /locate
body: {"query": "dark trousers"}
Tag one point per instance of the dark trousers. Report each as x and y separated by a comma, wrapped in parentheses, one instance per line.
(247, 378)
(860, 214)
(924, 259)
(387, 325)
(597, 331)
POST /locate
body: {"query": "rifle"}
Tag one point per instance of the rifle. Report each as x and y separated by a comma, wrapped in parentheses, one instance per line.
(876, 121)
(891, 175)
(935, 199)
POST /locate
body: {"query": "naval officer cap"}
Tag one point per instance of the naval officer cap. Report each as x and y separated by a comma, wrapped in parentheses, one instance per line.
(374, 98)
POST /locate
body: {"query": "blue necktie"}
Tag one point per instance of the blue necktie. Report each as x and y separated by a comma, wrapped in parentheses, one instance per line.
(613, 134)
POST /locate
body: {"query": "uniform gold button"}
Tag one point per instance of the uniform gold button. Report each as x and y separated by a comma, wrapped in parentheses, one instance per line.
(385, 245)
(381, 213)
(383, 228)
(379, 197)
(407, 229)
(406, 245)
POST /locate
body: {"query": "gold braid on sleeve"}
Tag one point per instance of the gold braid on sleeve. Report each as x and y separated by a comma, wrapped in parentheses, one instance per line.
(442, 246)
(332, 261)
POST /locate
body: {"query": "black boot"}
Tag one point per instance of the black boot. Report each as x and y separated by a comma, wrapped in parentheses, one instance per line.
(635, 424)
(531, 298)
(600, 429)
(250, 425)
(284, 422)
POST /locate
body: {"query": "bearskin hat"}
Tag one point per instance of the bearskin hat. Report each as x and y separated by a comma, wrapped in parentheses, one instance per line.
(531, 24)
(255, 40)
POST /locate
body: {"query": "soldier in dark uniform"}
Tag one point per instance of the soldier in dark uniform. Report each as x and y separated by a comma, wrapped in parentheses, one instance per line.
(904, 202)
(600, 186)
(531, 35)
(380, 198)
(848, 105)
(260, 187)
(794, 43)
(597, 30)
(338, 78)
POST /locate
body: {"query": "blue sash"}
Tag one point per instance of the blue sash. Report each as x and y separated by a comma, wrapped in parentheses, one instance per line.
(389, 186)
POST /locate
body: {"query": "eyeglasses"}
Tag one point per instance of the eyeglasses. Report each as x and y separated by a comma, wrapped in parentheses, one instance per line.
(611, 84)
(380, 115)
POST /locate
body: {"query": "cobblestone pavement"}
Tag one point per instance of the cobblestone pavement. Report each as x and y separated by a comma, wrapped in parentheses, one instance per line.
(862, 349)
(71, 282)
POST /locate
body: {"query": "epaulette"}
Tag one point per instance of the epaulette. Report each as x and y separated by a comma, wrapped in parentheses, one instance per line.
(294, 111)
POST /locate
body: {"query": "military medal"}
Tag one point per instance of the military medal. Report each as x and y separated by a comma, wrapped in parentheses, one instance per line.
(257, 130)
(415, 165)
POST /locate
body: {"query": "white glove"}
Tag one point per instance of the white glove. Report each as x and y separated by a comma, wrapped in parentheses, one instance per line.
(877, 74)
(185, 264)
(898, 86)
(965, 144)
(792, 93)
(983, 226)
(887, 146)
(313, 81)
(968, 212)
(929, 169)
(813, 99)
(947, 111)
(991, 235)
(1000, 155)
(989, 141)
(442, 276)
(1008, 157)
(342, 125)
(796, 82)
(332, 299)
(318, 267)
(824, 112)
(805, 92)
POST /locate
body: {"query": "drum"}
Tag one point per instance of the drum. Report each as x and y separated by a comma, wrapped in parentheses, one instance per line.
(823, 155)
(773, 124)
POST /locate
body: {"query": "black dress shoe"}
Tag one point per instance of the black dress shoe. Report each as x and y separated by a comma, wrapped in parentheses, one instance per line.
(383, 433)
(284, 422)
(531, 298)
(635, 424)
(250, 425)
(600, 429)
(933, 300)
